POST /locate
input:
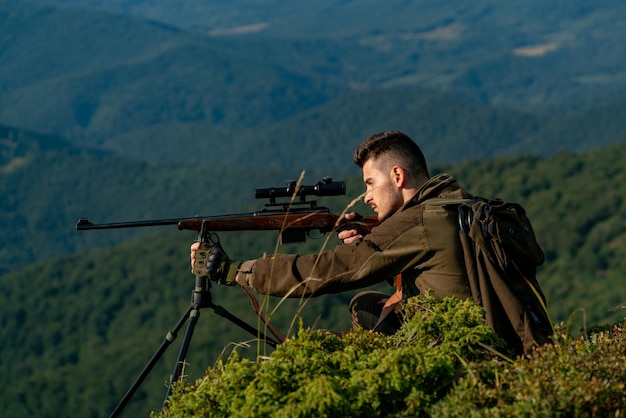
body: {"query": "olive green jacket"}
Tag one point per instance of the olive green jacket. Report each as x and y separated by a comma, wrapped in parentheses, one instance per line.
(420, 241)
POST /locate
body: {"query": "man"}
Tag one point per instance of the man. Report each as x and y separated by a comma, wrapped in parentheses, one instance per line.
(416, 243)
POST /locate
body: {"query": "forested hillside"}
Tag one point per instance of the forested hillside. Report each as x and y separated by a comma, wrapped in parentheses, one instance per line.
(524, 53)
(89, 76)
(161, 93)
(78, 329)
(47, 184)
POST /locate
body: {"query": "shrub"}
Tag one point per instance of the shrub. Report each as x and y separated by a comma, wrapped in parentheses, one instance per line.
(320, 373)
(443, 362)
(580, 377)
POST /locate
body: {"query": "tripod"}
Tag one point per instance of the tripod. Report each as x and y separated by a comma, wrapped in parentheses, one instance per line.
(200, 298)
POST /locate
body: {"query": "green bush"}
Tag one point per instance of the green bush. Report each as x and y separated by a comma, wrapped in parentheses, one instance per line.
(359, 373)
(580, 377)
(443, 362)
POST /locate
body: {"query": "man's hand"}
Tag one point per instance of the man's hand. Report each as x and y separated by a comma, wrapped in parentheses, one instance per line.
(348, 236)
(194, 248)
(210, 259)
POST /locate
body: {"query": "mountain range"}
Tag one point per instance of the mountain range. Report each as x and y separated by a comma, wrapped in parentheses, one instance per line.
(538, 78)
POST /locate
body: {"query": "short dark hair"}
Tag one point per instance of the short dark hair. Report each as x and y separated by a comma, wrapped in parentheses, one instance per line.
(396, 146)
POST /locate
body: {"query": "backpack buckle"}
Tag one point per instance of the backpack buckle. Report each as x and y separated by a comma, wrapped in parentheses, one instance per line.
(465, 218)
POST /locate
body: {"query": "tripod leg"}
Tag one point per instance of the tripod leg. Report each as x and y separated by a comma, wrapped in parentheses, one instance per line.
(169, 338)
(182, 354)
(243, 325)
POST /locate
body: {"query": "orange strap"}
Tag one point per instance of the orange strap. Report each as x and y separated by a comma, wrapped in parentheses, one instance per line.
(391, 303)
(255, 305)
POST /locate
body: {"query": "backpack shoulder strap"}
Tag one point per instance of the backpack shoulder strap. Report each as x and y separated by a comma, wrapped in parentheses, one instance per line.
(464, 207)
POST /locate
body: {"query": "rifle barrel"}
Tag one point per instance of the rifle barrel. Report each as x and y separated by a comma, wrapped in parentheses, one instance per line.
(84, 224)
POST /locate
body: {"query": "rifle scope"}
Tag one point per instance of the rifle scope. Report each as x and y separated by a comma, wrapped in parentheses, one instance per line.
(326, 187)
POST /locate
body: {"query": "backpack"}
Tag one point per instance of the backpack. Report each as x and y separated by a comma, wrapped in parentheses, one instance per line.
(502, 255)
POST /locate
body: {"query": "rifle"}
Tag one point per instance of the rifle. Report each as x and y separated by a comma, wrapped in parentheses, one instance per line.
(294, 219)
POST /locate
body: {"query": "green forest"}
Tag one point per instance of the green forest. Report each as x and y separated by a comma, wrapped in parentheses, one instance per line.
(160, 93)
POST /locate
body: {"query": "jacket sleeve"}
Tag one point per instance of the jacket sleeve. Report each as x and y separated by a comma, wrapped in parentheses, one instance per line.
(395, 245)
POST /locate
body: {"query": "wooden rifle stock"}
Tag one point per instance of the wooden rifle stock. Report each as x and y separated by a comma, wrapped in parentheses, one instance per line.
(293, 226)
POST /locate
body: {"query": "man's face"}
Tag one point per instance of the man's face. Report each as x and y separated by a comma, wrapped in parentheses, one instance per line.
(382, 193)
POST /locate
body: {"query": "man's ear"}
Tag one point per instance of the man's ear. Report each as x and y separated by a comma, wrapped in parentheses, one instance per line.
(398, 176)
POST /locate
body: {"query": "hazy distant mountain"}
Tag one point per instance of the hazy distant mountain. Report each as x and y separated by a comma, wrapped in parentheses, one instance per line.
(94, 76)
(526, 53)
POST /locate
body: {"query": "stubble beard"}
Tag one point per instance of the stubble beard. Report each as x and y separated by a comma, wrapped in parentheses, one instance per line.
(393, 203)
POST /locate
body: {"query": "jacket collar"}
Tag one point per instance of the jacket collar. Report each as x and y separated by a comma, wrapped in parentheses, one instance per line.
(441, 185)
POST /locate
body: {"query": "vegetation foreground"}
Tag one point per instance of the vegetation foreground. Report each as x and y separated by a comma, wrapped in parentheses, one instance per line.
(443, 362)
